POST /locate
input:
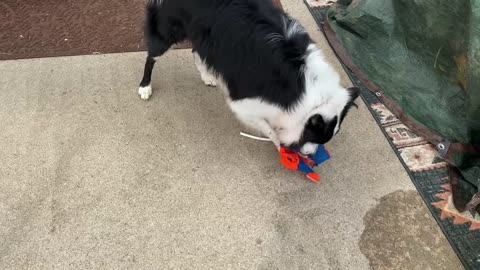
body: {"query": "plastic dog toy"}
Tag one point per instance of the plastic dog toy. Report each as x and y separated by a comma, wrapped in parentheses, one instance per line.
(293, 160)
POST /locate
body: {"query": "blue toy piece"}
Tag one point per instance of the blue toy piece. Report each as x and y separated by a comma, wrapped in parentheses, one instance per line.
(321, 155)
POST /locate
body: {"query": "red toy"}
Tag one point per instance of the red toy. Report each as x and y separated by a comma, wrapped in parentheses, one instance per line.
(293, 160)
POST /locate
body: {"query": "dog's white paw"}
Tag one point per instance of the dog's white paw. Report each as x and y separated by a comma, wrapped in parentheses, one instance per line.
(145, 92)
(209, 81)
(309, 149)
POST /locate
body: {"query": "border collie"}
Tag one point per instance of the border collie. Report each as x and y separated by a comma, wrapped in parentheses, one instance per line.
(275, 79)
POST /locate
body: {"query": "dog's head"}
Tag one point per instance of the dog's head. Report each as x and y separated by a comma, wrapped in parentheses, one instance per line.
(322, 126)
(324, 122)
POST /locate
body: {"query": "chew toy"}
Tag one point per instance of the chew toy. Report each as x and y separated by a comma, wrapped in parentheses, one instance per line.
(293, 160)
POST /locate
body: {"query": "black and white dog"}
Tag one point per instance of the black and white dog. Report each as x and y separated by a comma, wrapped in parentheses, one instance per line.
(275, 79)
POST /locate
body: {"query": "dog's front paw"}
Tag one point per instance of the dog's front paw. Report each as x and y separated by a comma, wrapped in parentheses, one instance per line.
(275, 140)
(145, 92)
(309, 149)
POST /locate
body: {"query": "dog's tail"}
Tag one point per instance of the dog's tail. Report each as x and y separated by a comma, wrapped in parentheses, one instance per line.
(157, 40)
(160, 32)
(155, 2)
(152, 37)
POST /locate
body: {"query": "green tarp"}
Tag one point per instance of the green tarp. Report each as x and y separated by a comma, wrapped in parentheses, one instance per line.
(425, 56)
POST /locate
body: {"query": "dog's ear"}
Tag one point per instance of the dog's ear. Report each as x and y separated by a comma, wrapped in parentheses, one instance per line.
(354, 92)
(315, 125)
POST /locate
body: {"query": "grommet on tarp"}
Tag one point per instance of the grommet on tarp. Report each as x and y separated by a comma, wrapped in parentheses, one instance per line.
(378, 94)
(443, 147)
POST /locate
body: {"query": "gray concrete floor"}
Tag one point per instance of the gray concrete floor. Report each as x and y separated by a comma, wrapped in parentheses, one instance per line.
(91, 177)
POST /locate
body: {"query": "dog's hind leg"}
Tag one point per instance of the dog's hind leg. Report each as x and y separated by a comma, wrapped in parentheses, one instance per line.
(145, 89)
(157, 47)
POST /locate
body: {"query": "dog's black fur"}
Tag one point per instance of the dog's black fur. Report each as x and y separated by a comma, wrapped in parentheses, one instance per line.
(228, 35)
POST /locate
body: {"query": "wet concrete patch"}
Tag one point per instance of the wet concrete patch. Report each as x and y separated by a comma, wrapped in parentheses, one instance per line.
(401, 234)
